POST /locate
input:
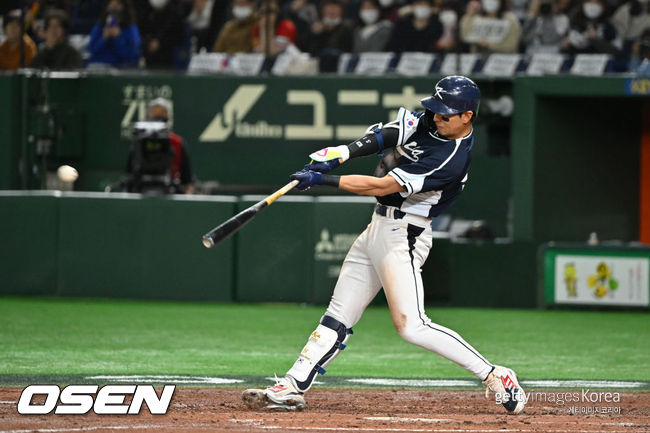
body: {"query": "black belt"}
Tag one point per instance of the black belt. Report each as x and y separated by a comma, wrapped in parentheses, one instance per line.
(382, 210)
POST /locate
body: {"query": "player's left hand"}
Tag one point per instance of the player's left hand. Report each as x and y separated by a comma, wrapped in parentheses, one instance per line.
(323, 167)
(307, 179)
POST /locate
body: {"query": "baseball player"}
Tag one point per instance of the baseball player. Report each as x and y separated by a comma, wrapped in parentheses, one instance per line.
(423, 171)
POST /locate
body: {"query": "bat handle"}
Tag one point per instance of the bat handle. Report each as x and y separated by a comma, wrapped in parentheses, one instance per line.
(282, 191)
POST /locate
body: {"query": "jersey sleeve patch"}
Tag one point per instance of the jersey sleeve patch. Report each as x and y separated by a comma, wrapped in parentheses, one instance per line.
(407, 123)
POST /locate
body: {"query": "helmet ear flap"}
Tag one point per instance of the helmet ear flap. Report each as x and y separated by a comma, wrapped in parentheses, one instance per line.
(475, 112)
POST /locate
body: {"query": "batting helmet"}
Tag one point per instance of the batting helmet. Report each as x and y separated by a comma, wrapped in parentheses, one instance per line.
(454, 94)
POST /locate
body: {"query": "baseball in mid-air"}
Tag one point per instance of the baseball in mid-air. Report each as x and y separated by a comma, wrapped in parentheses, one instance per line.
(67, 174)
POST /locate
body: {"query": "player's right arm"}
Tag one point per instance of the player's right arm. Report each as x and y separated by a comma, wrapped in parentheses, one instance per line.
(369, 185)
(358, 184)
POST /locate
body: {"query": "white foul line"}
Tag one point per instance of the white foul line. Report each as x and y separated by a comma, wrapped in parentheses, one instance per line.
(99, 427)
(7, 402)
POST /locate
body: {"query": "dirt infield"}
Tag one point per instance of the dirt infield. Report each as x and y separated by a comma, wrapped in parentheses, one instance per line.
(221, 410)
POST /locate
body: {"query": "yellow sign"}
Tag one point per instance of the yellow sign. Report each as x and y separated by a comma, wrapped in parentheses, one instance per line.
(638, 86)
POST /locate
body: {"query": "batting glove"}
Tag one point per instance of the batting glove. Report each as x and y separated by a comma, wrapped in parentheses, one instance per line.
(323, 167)
(307, 179)
(331, 153)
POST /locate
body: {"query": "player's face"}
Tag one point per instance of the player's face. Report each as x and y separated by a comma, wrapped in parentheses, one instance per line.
(453, 125)
(54, 33)
(12, 31)
(157, 112)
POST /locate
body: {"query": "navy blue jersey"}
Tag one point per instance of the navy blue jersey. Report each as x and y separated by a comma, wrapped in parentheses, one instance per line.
(433, 169)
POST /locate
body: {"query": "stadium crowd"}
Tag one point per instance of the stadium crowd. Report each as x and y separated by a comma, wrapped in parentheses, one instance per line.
(163, 34)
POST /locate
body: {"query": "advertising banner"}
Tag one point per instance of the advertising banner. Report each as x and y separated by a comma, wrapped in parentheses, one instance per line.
(593, 277)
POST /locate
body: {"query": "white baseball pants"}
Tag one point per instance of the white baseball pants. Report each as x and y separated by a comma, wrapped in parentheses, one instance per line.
(389, 254)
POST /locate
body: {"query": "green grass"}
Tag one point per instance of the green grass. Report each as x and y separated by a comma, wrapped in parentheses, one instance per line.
(115, 337)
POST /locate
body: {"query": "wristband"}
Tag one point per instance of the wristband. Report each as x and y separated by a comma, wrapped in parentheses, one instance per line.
(331, 180)
(380, 141)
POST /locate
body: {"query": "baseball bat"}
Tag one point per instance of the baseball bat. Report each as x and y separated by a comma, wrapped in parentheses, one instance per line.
(230, 226)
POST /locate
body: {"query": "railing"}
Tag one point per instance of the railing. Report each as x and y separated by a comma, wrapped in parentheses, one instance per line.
(408, 64)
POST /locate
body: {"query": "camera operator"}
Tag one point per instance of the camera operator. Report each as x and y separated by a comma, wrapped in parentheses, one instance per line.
(158, 160)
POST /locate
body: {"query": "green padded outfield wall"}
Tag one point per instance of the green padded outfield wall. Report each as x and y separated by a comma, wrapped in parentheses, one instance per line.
(115, 246)
(28, 243)
(273, 252)
(337, 223)
(143, 248)
(124, 246)
(481, 274)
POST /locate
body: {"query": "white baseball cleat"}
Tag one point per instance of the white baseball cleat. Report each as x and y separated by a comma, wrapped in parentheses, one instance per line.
(283, 396)
(503, 383)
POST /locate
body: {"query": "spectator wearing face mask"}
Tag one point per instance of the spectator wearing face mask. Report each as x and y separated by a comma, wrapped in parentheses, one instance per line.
(373, 34)
(448, 17)
(56, 53)
(631, 19)
(545, 30)
(417, 31)
(489, 27)
(10, 48)
(272, 33)
(331, 35)
(591, 32)
(237, 34)
(115, 39)
(163, 33)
